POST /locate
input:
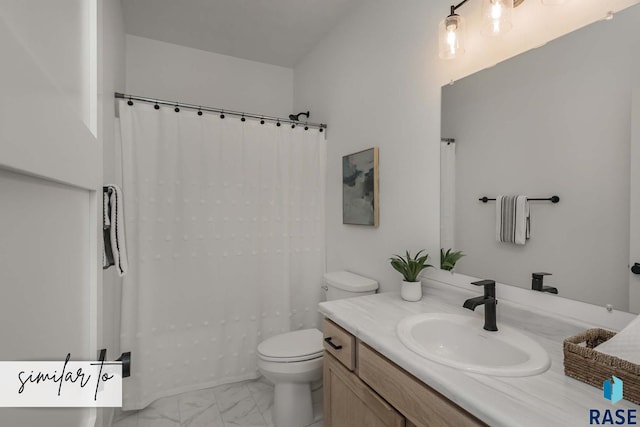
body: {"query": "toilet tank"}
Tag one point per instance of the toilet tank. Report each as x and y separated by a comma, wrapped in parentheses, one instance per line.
(343, 284)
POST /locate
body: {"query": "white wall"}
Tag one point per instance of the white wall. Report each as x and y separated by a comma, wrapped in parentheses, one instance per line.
(112, 69)
(375, 79)
(555, 120)
(167, 71)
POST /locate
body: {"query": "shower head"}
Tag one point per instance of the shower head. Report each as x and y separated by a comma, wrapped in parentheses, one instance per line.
(296, 117)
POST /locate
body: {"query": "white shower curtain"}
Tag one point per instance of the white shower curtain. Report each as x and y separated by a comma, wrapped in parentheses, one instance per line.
(225, 227)
(447, 194)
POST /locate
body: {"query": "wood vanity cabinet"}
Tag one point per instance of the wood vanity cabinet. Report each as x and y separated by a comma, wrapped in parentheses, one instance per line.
(364, 389)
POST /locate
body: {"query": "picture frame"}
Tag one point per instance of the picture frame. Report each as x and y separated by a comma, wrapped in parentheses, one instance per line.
(360, 194)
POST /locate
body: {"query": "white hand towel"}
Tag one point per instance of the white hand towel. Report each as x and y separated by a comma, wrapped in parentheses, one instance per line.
(106, 223)
(117, 234)
(513, 219)
(625, 344)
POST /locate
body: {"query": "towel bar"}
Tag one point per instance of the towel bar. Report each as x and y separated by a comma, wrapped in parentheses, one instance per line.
(124, 359)
(552, 199)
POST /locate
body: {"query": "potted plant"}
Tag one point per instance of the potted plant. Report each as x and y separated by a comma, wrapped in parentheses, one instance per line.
(448, 259)
(410, 268)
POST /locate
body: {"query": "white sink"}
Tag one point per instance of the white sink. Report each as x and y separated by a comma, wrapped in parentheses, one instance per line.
(460, 342)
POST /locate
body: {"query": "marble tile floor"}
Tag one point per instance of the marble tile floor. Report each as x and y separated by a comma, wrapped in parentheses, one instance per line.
(244, 404)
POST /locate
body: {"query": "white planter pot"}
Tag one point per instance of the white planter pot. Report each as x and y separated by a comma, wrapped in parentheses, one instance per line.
(411, 291)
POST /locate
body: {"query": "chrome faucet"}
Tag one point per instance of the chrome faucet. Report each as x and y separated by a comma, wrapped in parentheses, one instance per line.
(488, 300)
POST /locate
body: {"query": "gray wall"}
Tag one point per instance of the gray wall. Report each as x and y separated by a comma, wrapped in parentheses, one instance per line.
(554, 120)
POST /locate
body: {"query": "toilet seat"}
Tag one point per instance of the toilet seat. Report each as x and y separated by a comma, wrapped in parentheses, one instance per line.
(297, 346)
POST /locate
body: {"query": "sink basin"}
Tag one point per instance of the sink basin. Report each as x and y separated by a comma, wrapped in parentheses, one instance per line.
(460, 342)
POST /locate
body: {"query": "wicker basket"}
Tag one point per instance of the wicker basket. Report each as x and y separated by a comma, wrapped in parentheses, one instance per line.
(592, 367)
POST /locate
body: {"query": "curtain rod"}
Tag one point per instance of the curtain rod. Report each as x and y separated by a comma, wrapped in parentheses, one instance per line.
(199, 108)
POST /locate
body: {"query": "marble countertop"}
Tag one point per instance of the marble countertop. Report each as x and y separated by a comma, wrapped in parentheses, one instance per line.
(549, 399)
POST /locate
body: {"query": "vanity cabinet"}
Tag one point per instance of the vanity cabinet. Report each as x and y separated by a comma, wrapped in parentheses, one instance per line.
(364, 389)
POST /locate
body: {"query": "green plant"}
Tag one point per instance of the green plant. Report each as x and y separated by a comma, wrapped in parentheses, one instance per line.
(448, 260)
(410, 267)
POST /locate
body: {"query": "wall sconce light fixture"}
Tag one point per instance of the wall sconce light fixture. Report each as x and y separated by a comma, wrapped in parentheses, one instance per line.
(496, 20)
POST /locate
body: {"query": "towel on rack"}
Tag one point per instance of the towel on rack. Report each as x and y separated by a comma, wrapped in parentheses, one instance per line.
(114, 244)
(107, 256)
(513, 219)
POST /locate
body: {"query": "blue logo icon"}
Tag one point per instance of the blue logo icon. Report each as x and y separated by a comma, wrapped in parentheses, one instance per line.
(613, 392)
(612, 389)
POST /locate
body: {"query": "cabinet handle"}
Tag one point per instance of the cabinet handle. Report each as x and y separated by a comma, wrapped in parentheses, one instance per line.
(335, 347)
(635, 269)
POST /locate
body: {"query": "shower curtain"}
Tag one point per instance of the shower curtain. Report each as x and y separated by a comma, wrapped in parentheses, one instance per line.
(225, 231)
(447, 194)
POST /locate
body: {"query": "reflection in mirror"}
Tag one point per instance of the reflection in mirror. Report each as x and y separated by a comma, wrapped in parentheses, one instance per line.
(553, 121)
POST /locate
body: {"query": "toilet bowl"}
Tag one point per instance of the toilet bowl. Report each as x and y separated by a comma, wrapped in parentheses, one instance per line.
(293, 360)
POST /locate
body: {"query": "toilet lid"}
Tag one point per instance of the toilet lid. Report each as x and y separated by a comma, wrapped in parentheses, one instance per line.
(291, 346)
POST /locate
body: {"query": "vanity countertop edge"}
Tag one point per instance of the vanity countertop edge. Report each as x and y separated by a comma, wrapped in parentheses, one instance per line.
(547, 399)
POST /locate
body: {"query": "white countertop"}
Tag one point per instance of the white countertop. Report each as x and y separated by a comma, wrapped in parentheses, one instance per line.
(548, 399)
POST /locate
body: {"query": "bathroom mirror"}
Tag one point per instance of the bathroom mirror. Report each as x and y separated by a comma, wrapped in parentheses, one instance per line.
(556, 120)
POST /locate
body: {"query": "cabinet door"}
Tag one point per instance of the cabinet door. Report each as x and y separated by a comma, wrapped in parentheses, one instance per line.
(348, 402)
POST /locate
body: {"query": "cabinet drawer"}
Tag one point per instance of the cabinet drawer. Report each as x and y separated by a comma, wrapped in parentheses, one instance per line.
(340, 343)
(422, 405)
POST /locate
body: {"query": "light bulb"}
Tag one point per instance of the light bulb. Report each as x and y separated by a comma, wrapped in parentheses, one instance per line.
(496, 11)
(496, 16)
(452, 39)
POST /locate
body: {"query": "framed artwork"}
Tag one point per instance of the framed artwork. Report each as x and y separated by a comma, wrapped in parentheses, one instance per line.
(360, 188)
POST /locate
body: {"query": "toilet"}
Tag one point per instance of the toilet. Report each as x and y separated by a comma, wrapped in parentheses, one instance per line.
(293, 360)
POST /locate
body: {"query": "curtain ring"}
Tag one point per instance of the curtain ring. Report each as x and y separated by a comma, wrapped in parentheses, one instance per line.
(129, 102)
(199, 111)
